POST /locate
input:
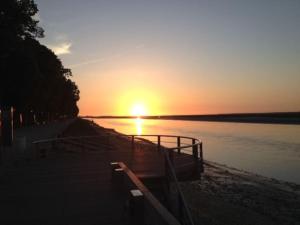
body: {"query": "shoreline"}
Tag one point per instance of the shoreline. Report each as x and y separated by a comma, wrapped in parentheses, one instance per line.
(231, 196)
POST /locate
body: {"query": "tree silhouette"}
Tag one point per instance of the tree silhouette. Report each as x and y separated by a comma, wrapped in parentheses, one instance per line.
(17, 23)
(32, 79)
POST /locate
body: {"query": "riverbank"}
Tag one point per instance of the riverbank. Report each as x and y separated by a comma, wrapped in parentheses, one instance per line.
(230, 196)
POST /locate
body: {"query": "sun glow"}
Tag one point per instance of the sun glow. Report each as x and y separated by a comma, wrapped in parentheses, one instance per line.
(138, 110)
(138, 102)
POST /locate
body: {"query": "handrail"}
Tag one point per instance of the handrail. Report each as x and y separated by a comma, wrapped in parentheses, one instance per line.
(196, 143)
(163, 213)
(181, 196)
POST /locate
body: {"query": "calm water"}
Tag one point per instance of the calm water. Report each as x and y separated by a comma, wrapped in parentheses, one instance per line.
(266, 149)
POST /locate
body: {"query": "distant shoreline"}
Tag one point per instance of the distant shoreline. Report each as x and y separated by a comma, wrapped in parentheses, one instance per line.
(291, 118)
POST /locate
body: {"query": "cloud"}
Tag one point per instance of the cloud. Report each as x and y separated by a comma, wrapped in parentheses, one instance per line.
(62, 48)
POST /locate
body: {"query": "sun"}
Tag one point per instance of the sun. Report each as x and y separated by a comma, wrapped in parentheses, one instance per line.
(138, 110)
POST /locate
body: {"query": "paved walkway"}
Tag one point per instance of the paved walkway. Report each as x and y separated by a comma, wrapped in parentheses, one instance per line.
(39, 132)
(22, 142)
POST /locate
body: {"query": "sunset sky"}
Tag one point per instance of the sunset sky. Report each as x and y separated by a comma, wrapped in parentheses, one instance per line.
(178, 57)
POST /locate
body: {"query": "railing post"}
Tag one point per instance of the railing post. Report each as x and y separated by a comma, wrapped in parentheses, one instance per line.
(118, 179)
(158, 142)
(114, 165)
(178, 145)
(136, 204)
(201, 152)
(201, 156)
(195, 149)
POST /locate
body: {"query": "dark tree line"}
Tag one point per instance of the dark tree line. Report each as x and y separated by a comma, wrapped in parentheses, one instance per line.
(33, 79)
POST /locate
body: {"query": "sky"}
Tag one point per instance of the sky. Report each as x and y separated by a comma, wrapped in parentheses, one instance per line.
(178, 57)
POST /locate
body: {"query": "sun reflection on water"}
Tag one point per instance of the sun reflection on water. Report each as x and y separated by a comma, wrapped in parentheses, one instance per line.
(139, 125)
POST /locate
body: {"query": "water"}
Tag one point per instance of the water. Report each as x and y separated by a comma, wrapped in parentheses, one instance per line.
(268, 149)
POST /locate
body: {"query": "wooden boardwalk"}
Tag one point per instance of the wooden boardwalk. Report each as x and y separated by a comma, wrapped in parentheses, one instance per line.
(63, 189)
(72, 185)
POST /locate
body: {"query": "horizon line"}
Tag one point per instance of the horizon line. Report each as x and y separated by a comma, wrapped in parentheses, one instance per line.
(212, 114)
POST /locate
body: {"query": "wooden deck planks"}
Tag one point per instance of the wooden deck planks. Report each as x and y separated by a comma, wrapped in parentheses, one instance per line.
(64, 190)
(75, 187)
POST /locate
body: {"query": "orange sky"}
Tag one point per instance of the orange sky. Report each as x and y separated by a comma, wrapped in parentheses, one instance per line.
(178, 57)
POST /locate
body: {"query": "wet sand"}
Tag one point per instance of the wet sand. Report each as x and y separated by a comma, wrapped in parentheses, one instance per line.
(230, 196)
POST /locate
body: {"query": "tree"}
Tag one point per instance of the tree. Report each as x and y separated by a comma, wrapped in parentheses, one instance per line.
(16, 24)
(32, 79)
(16, 19)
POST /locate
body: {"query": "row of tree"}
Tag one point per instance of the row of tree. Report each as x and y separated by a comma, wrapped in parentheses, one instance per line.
(32, 79)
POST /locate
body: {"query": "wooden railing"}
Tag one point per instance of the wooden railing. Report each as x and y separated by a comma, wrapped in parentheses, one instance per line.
(168, 144)
(176, 199)
(143, 207)
(179, 144)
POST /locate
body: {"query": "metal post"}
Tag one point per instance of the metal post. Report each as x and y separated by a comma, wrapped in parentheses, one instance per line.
(201, 151)
(195, 149)
(201, 156)
(178, 145)
(158, 142)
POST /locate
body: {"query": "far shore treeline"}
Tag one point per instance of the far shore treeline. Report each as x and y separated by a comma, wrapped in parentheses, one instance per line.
(270, 118)
(33, 80)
